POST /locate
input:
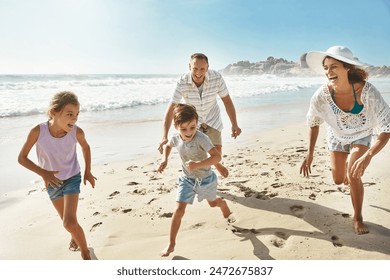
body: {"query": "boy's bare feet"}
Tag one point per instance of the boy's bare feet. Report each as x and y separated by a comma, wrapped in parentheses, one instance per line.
(73, 245)
(231, 219)
(360, 227)
(167, 251)
(222, 170)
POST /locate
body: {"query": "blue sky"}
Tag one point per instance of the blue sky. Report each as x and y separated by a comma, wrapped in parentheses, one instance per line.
(158, 36)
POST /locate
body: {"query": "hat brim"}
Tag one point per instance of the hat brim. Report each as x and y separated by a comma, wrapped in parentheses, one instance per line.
(314, 60)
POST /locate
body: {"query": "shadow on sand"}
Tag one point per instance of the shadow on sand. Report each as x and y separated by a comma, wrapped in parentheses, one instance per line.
(330, 223)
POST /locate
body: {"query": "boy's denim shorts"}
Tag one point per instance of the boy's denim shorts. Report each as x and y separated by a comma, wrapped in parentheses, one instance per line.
(336, 146)
(69, 186)
(205, 188)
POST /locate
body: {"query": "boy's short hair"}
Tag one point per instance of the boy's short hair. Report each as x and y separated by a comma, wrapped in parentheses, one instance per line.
(183, 113)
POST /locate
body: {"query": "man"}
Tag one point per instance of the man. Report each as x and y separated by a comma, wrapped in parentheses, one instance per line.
(200, 88)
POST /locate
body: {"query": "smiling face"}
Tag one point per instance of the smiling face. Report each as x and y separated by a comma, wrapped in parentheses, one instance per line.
(187, 130)
(335, 71)
(198, 68)
(65, 119)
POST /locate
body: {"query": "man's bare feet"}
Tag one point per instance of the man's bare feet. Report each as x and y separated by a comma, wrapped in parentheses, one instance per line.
(167, 251)
(360, 227)
(222, 170)
(73, 245)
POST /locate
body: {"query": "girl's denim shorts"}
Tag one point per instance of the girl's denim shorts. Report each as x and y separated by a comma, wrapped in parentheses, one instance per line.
(69, 186)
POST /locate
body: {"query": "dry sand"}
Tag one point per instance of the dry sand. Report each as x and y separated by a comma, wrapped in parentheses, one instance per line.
(279, 214)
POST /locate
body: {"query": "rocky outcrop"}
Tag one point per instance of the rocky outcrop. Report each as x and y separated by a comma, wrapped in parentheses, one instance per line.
(284, 68)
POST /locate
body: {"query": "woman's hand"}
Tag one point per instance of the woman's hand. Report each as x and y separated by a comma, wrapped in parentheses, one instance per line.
(306, 166)
(360, 166)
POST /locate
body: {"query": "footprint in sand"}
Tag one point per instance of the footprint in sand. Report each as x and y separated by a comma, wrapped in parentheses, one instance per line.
(166, 215)
(95, 225)
(298, 211)
(329, 191)
(114, 194)
(336, 241)
(282, 235)
(31, 192)
(344, 190)
(140, 191)
(344, 215)
(198, 225)
(278, 242)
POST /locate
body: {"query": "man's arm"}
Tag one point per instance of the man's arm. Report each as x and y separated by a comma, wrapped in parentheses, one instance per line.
(166, 126)
(231, 111)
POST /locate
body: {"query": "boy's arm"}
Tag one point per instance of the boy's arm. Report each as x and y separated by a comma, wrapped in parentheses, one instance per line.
(47, 176)
(87, 157)
(164, 163)
(213, 159)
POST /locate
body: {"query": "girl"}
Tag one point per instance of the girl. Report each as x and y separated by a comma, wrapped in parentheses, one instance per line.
(58, 166)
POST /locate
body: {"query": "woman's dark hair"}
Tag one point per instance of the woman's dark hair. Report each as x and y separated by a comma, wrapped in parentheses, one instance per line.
(355, 74)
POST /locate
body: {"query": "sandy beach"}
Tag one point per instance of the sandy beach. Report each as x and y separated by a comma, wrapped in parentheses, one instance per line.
(280, 215)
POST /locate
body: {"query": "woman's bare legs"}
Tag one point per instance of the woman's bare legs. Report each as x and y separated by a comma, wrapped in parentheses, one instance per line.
(341, 165)
(357, 190)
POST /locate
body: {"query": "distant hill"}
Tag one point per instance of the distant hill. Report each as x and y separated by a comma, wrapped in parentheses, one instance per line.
(284, 68)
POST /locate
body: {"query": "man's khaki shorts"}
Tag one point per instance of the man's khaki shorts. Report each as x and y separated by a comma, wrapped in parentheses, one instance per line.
(213, 134)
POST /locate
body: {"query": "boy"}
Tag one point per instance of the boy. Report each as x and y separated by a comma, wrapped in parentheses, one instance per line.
(198, 178)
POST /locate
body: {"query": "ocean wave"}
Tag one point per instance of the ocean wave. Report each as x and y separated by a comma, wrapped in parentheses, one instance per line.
(29, 95)
(85, 107)
(57, 84)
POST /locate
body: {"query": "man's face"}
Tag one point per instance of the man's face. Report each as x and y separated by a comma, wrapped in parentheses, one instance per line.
(198, 68)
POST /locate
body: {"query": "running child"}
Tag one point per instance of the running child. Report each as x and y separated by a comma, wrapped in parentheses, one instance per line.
(55, 142)
(198, 154)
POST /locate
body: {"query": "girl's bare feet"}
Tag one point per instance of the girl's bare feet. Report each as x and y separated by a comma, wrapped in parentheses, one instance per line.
(73, 245)
(167, 251)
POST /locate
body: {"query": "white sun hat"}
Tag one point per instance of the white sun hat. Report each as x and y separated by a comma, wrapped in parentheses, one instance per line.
(315, 59)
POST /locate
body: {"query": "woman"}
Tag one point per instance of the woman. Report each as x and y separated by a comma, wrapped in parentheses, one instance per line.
(354, 110)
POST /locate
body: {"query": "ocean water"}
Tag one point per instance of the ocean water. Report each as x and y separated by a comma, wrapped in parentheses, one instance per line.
(116, 106)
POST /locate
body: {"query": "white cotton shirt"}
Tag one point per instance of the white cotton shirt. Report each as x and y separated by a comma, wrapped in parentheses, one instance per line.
(348, 127)
(206, 106)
